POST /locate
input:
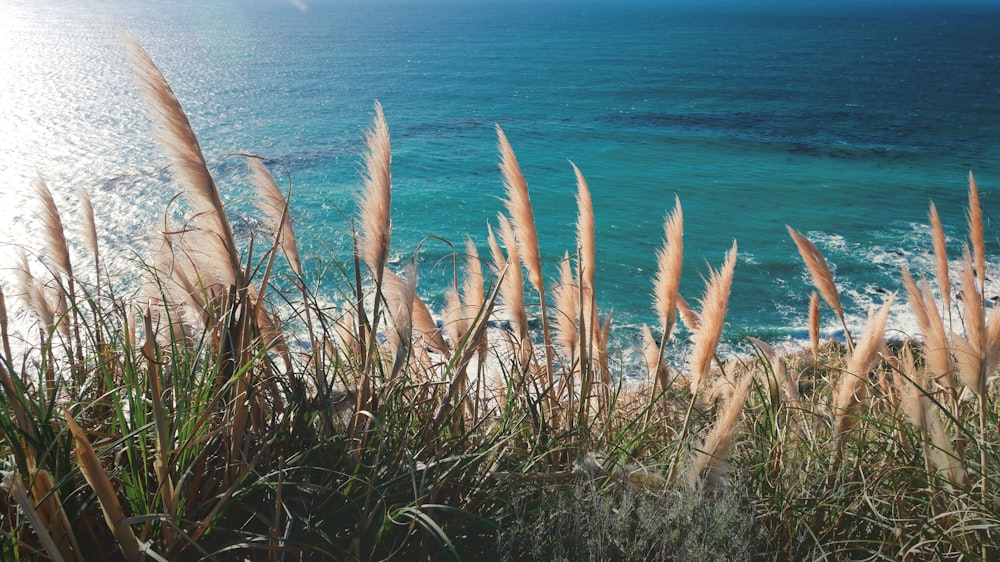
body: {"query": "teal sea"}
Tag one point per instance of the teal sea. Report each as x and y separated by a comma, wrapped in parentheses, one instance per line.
(842, 121)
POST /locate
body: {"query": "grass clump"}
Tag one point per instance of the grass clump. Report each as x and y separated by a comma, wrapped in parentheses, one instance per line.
(231, 408)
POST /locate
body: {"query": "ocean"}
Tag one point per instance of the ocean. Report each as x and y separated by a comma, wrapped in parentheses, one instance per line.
(843, 121)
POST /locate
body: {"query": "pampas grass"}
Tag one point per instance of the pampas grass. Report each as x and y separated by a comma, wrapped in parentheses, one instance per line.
(711, 319)
(688, 315)
(522, 215)
(669, 261)
(376, 202)
(57, 247)
(373, 443)
(978, 353)
(586, 242)
(821, 275)
(89, 228)
(655, 368)
(567, 306)
(710, 462)
(814, 324)
(975, 221)
(512, 286)
(941, 269)
(188, 163)
(937, 350)
(518, 204)
(853, 383)
(274, 205)
(586, 239)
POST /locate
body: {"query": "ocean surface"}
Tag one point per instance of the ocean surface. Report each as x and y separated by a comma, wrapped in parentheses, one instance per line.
(843, 121)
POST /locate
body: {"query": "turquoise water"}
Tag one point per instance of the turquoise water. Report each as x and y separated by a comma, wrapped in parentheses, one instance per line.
(841, 122)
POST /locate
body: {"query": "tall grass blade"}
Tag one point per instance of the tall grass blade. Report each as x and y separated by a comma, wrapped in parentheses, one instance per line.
(12, 482)
(93, 473)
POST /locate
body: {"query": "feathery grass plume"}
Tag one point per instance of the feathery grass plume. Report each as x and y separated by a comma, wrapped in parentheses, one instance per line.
(916, 298)
(376, 203)
(941, 270)
(711, 319)
(852, 386)
(937, 351)
(587, 259)
(58, 250)
(455, 324)
(473, 299)
(180, 283)
(34, 296)
(179, 141)
(512, 286)
(275, 208)
(93, 473)
(814, 322)
(14, 402)
(473, 293)
(709, 463)
(567, 306)
(421, 318)
(518, 205)
(943, 455)
(651, 355)
(978, 353)
(975, 217)
(821, 275)
(399, 296)
(345, 337)
(909, 383)
(522, 215)
(669, 261)
(924, 415)
(55, 235)
(688, 314)
(89, 224)
(585, 236)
